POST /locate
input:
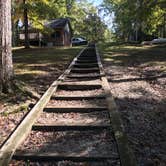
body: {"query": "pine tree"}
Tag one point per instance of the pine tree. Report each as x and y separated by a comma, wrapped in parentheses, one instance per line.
(7, 73)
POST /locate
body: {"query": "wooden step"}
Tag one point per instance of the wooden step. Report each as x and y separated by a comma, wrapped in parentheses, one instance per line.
(74, 86)
(85, 65)
(93, 56)
(84, 70)
(86, 61)
(78, 97)
(89, 56)
(74, 109)
(45, 157)
(76, 76)
(54, 127)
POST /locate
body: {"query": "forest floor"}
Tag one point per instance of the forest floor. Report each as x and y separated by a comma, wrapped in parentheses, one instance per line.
(137, 76)
(35, 70)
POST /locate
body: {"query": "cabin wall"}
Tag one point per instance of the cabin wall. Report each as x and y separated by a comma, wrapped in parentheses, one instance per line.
(60, 37)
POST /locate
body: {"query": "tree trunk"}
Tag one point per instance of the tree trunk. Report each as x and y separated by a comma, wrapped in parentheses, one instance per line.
(164, 27)
(26, 42)
(7, 73)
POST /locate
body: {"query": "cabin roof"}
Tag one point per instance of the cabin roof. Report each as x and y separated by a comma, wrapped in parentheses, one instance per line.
(58, 23)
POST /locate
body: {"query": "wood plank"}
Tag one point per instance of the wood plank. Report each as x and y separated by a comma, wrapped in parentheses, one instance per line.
(85, 65)
(87, 58)
(74, 109)
(93, 68)
(79, 86)
(78, 97)
(54, 157)
(86, 61)
(47, 128)
(84, 70)
(74, 76)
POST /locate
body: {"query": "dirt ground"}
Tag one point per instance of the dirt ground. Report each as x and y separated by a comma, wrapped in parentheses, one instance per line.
(35, 69)
(137, 77)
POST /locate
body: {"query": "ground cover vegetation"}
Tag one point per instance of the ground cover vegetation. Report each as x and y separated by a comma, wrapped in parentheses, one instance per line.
(137, 77)
(35, 72)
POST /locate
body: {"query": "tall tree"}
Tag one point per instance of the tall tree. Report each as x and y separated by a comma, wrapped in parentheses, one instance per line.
(26, 42)
(5, 46)
(139, 18)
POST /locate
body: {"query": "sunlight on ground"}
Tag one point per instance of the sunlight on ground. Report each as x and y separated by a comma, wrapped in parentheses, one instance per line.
(140, 55)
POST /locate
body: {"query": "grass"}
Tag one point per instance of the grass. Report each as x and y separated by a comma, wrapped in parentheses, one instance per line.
(36, 69)
(135, 55)
(36, 62)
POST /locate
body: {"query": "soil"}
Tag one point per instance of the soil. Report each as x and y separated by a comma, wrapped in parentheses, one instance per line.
(37, 68)
(139, 90)
(97, 118)
(88, 143)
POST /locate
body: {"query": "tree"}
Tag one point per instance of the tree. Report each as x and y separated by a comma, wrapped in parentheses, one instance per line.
(85, 21)
(7, 73)
(26, 42)
(36, 13)
(137, 18)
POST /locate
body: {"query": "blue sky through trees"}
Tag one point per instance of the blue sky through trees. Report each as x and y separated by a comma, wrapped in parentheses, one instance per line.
(108, 19)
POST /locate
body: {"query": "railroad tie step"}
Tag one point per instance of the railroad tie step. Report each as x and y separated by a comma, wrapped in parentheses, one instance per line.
(87, 76)
(46, 156)
(87, 57)
(78, 97)
(74, 109)
(54, 127)
(84, 70)
(85, 65)
(83, 55)
(65, 86)
(86, 61)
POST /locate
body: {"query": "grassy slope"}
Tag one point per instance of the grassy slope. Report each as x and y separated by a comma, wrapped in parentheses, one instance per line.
(37, 68)
(129, 55)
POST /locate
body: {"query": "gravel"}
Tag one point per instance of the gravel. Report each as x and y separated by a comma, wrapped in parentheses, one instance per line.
(79, 93)
(141, 103)
(84, 143)
(78, 103)
(97, 118)
(8, 124)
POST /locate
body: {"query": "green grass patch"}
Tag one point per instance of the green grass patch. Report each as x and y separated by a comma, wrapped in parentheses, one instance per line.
(134, 55)
(35, 70)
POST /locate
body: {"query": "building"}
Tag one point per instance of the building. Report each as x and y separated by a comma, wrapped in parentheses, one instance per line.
(60, 35)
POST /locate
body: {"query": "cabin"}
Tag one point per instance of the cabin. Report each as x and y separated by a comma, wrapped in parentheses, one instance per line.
(60, 35)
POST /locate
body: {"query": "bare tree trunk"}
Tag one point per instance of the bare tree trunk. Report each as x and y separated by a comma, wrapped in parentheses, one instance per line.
(7, 73)
(164, 27)
(26, 42)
